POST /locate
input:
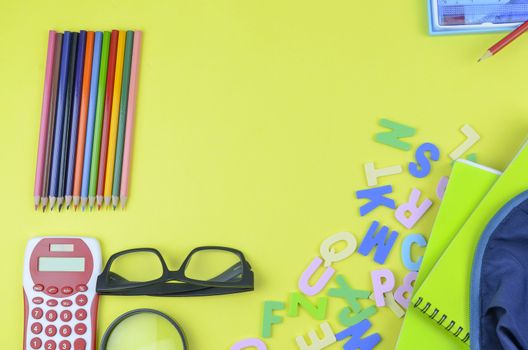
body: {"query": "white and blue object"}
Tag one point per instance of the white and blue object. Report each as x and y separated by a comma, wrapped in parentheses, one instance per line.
(475, 16)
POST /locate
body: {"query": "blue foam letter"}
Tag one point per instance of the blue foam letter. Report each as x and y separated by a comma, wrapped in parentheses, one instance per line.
(422, 167)
(355, 333)
(384, 244)
(376, 196)
(406, 251)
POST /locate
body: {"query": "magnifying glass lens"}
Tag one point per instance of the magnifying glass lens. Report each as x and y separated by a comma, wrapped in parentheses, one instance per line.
(145, 331)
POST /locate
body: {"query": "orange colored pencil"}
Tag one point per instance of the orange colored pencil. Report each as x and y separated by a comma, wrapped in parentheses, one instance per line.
(79, 159)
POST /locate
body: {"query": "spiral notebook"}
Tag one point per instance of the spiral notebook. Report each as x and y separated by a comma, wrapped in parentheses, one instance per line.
(468, 184)
(443, 297)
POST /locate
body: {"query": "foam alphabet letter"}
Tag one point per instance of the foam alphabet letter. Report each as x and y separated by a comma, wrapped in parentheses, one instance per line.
(472, 157)
(382, 241)
(372, 174)
(316, 311)
(317, 343)
(250, 343)
(329, 254)
(379, 287)
(441, 187)
(376, 197)
(392, 138)
(422, 167)
(355, 333)
(471, 138)
(407, 248)
(406, 288)
(269, 318)
(391, 304)
(304, 281)
(348, 318)
(414, 210)
(350, 295)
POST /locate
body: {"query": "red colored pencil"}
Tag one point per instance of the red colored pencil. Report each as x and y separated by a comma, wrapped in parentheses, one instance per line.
(106, 116)
(505, 41)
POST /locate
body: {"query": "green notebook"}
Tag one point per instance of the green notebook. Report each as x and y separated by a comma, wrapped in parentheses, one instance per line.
(444, 295)
(468, 184)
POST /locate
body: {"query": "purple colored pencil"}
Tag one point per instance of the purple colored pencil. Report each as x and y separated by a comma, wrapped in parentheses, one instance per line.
(59, 120)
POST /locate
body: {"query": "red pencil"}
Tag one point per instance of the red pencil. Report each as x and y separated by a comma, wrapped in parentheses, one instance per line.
(106, 118)
(505, 41)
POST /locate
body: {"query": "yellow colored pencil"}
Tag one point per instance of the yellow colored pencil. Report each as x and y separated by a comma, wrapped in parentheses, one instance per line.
(114, 118)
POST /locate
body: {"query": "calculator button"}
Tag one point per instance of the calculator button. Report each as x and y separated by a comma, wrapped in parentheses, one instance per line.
(79, 344)
(36, 328)
(51, 315)
(66, 303)
(52, 302)
(51, 331)
(52, 290)
(82, 288)
(66, 316)
(37, 313)
(38, 300)
(67, 290)
(65, 331)
(64, 345)
(38, 287)
(50, 345)
(81, 300)
(81, 314)
(35, 343)
(80, 328)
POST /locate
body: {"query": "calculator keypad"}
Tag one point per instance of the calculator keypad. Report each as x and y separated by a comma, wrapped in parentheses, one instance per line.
(62, 324)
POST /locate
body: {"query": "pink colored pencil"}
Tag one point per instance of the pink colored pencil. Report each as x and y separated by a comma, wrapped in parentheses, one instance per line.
(131, 111)
(44, 118)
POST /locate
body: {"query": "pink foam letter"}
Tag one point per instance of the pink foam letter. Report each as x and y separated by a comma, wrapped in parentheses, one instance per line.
(380, 287)
(406, 287)
(304, 281)
(412, 208)
(249, 343)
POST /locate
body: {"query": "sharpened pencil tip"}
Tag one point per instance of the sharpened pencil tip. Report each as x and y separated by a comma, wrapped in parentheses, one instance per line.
(486, 55)
(36, 207)
(43, 208)
(60, 207)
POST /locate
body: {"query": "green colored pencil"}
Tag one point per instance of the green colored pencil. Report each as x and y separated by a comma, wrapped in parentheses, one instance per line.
(98, 119)
(116, 186)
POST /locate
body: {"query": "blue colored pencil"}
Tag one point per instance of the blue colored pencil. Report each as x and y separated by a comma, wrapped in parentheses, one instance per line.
(57, 139)
(77, 91)
(67, 120)
(96, 62)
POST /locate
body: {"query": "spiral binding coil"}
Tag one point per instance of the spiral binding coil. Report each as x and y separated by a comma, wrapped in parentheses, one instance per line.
(449, 327)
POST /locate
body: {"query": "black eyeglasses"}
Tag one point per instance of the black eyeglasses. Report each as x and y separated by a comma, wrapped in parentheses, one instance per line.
(206, 271)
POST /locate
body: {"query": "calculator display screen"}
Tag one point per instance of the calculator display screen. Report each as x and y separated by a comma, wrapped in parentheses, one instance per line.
(49, 264)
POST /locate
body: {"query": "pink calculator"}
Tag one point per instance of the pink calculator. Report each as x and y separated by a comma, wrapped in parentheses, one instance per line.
(60, 302)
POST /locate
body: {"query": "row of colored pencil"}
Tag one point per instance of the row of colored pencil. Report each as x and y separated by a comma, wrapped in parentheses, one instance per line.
(87, 119)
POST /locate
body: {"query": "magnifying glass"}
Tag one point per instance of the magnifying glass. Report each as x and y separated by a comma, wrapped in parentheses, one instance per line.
(144, 329)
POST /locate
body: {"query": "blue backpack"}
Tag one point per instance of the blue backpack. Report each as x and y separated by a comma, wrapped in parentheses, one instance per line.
(499, 281)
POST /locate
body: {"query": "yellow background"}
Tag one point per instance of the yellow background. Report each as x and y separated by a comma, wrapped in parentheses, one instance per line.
(254, 120)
